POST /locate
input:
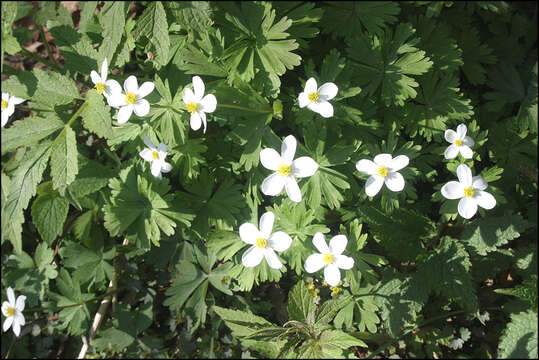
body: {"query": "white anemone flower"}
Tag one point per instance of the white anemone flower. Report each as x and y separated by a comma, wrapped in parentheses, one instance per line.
(383, 170)
(102, 85)
(264, 242)
(316, 98)
(460, 143)
(470, 191)
(197, 104)
(8, 106)
(156, 155)
(330, 258)
(12, 310)
(132, 100)
(286, 169)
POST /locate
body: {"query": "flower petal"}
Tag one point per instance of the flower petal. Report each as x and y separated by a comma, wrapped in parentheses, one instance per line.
(311, 86)
(112, 87)
(104, 70)
(373, 185)
(162, 148)
(450, 136)
(484, 199)
(270, 159)
(8, 322)
(5, 118)
(394, 181)
(314, 263)
(188, 96)
(464, 173)
(332, 274)
(272, 259)
(319, 243)
(466, 152)
(266, 224)
(145, 89)
(203, 118)
(95, 77)
(344, 262)
(292, 189)
(468, 141)
(337, 244)
(399, 162)
(10, 296)
(124, 113)
(249, 233)
(252, 257)
(366, 167)
(5, 96)
(461, 131)
(195, 121)
(146, 154)
(451, 152)
(116, 100)
(453, 190)
(280, 241)
(131, 84)
(479, 183)
(142, 107)
(383, 159)
(5, 306)
(208, 103)
(156, 168)
(20, 318)
(149, 143)
(325, 109)
(16, 327)
(165, 167)
(328, 90)
(304, 167)
(198, 86)
(303, 99)
(273, 184)
(288, 149)
(467, 207)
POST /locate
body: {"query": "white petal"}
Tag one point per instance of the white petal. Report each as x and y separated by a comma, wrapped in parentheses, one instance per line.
(292, 189)
(344, 262)
(484, 199)
(464, 173)
(328, 91)
(162, 148)
(394, 181)
(10, 108)
(468, 141)
(8, 322)
(399, 162)
(5, 306)
(311, 86)
(319, 243)
(450, 136)
(188, 96)
(266, 224)
(112, 87)
(16, 327)
(198, 86)
(208, 103)
(332, 274)
(280, 241)
(366, 167)
(131, 84)
(273, 184)
(383, 159)
(451, 152)
(288, 149)
(124, 113)
(149, 143)
(20, 318)
(270, 159)
(252, 257)
(104, 70)
(203, 119)
(479, 183)
(373, 185)
(461, 131)
(146, 154)
(116, 100)
(11, 296)
(156, 168)
(165, 167)
(304, 167)
(453, 190)
(5, 96)
(249, 233)
(303, 99)
(467, 207)
(314, 263)
(95, 77)
(337, 244)
(142, 107)
(5, 118)
(325, 109)
(145, 89)
(195, 121)
(466, 152)
(272, 259)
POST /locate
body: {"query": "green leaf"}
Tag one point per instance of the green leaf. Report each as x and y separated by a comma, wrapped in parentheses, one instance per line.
(54, 88)
(241, 323)
(301, 306)
(326, 313)
(49, 212)
(92, 177)
(225, 244)
(29, 131)
(112, 19)
(113, 340)
(64, 162)
(519, 339)
(96, 116)
(152, 24)
(196, 16)
(88, 265)
(527, 291)
(474, 55)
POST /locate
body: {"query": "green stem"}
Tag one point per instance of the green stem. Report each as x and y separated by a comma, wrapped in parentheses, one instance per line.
(230, 106)
(76, 115)
(162, 106)
(34, 109)
(48, 46)
(72, 305)
(40, 59)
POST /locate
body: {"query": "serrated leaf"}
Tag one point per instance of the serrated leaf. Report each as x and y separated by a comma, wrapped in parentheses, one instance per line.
(29, 131)
(113, 340)
(152, 24)
(54, 88)
(92, 176)
(241, 323)
(96, 116)
(49, 213)
(224, 244)
(112, 19)
(301, 306)
(474, 55)
(519, 339)
(64, 162)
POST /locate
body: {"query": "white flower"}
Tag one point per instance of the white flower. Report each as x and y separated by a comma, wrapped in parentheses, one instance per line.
(470, 191)
(459, 143)
(12, 310)
(330, 258)
(286, 169)
(383, 170)
(8, 106)
(102, 85)
(156, 156)
(264, 242)
(132, 100)
(197, 104)
(316, 99)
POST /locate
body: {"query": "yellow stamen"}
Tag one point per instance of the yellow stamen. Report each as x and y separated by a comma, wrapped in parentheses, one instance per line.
(4, 104)
(192, 107)
(458, 142)
(314, 96)
(469, 191)
(155, 154)
(335, 290)
(328, 258)
(10, 311)
(261, 243)
(100, 87)
(382, 171)
(283, 170)
(130, 98)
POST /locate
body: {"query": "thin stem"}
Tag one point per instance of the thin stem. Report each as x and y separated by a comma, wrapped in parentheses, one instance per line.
(230, 106)
(48, 46)
(40, 59)
(34, 109)
(76, 115)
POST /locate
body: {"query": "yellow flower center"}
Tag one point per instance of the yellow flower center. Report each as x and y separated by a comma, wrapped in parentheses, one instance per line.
(313, 96)
(100, 87)
(328, 258)
(382, 171)
(155, 154)
(469, 191)
(130, 97)
(283, 170)
(261, 243)
(335, 290)
(4, 104)
(192, 107)
(10, 311)
(458, 142)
